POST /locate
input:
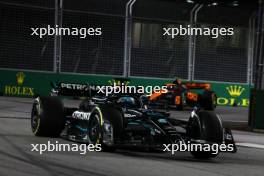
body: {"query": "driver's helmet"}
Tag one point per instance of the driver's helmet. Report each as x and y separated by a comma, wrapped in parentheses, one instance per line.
(177, 81)
(127, 101)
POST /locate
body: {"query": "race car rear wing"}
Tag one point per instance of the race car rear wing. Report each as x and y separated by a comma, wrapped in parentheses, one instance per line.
(73, 89)
(205, 86)
(192, 85)
(83, 90)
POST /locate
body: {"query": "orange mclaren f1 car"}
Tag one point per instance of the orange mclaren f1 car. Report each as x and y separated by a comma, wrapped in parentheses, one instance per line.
(180, 95)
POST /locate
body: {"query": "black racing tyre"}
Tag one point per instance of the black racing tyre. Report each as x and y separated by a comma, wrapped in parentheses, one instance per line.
(95, 124)
(180, 106)
(208, 100)
(47, 117)
(115, 117)
(99, 116)
(208, 128)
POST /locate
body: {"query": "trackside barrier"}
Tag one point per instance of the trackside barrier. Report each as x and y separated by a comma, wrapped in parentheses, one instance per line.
(256, 118)
(29, 84)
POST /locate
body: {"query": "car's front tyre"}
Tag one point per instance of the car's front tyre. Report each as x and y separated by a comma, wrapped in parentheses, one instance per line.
(206, 127)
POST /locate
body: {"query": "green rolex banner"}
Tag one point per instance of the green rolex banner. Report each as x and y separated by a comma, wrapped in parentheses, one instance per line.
(29, 84)
(232, 94)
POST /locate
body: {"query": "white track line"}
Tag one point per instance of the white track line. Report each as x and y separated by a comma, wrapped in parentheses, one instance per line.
(251, 145)
(235, 121)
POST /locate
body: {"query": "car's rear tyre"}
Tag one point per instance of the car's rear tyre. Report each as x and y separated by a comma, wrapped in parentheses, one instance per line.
(207, 128)
(47, 117)
(180, 106)
(208, 100)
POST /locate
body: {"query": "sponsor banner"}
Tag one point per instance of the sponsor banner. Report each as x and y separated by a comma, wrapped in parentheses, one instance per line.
(17, 87)
(232, 94)
(30, 84)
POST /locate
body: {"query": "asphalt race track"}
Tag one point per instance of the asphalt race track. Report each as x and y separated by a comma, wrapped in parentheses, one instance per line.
(16, 157)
